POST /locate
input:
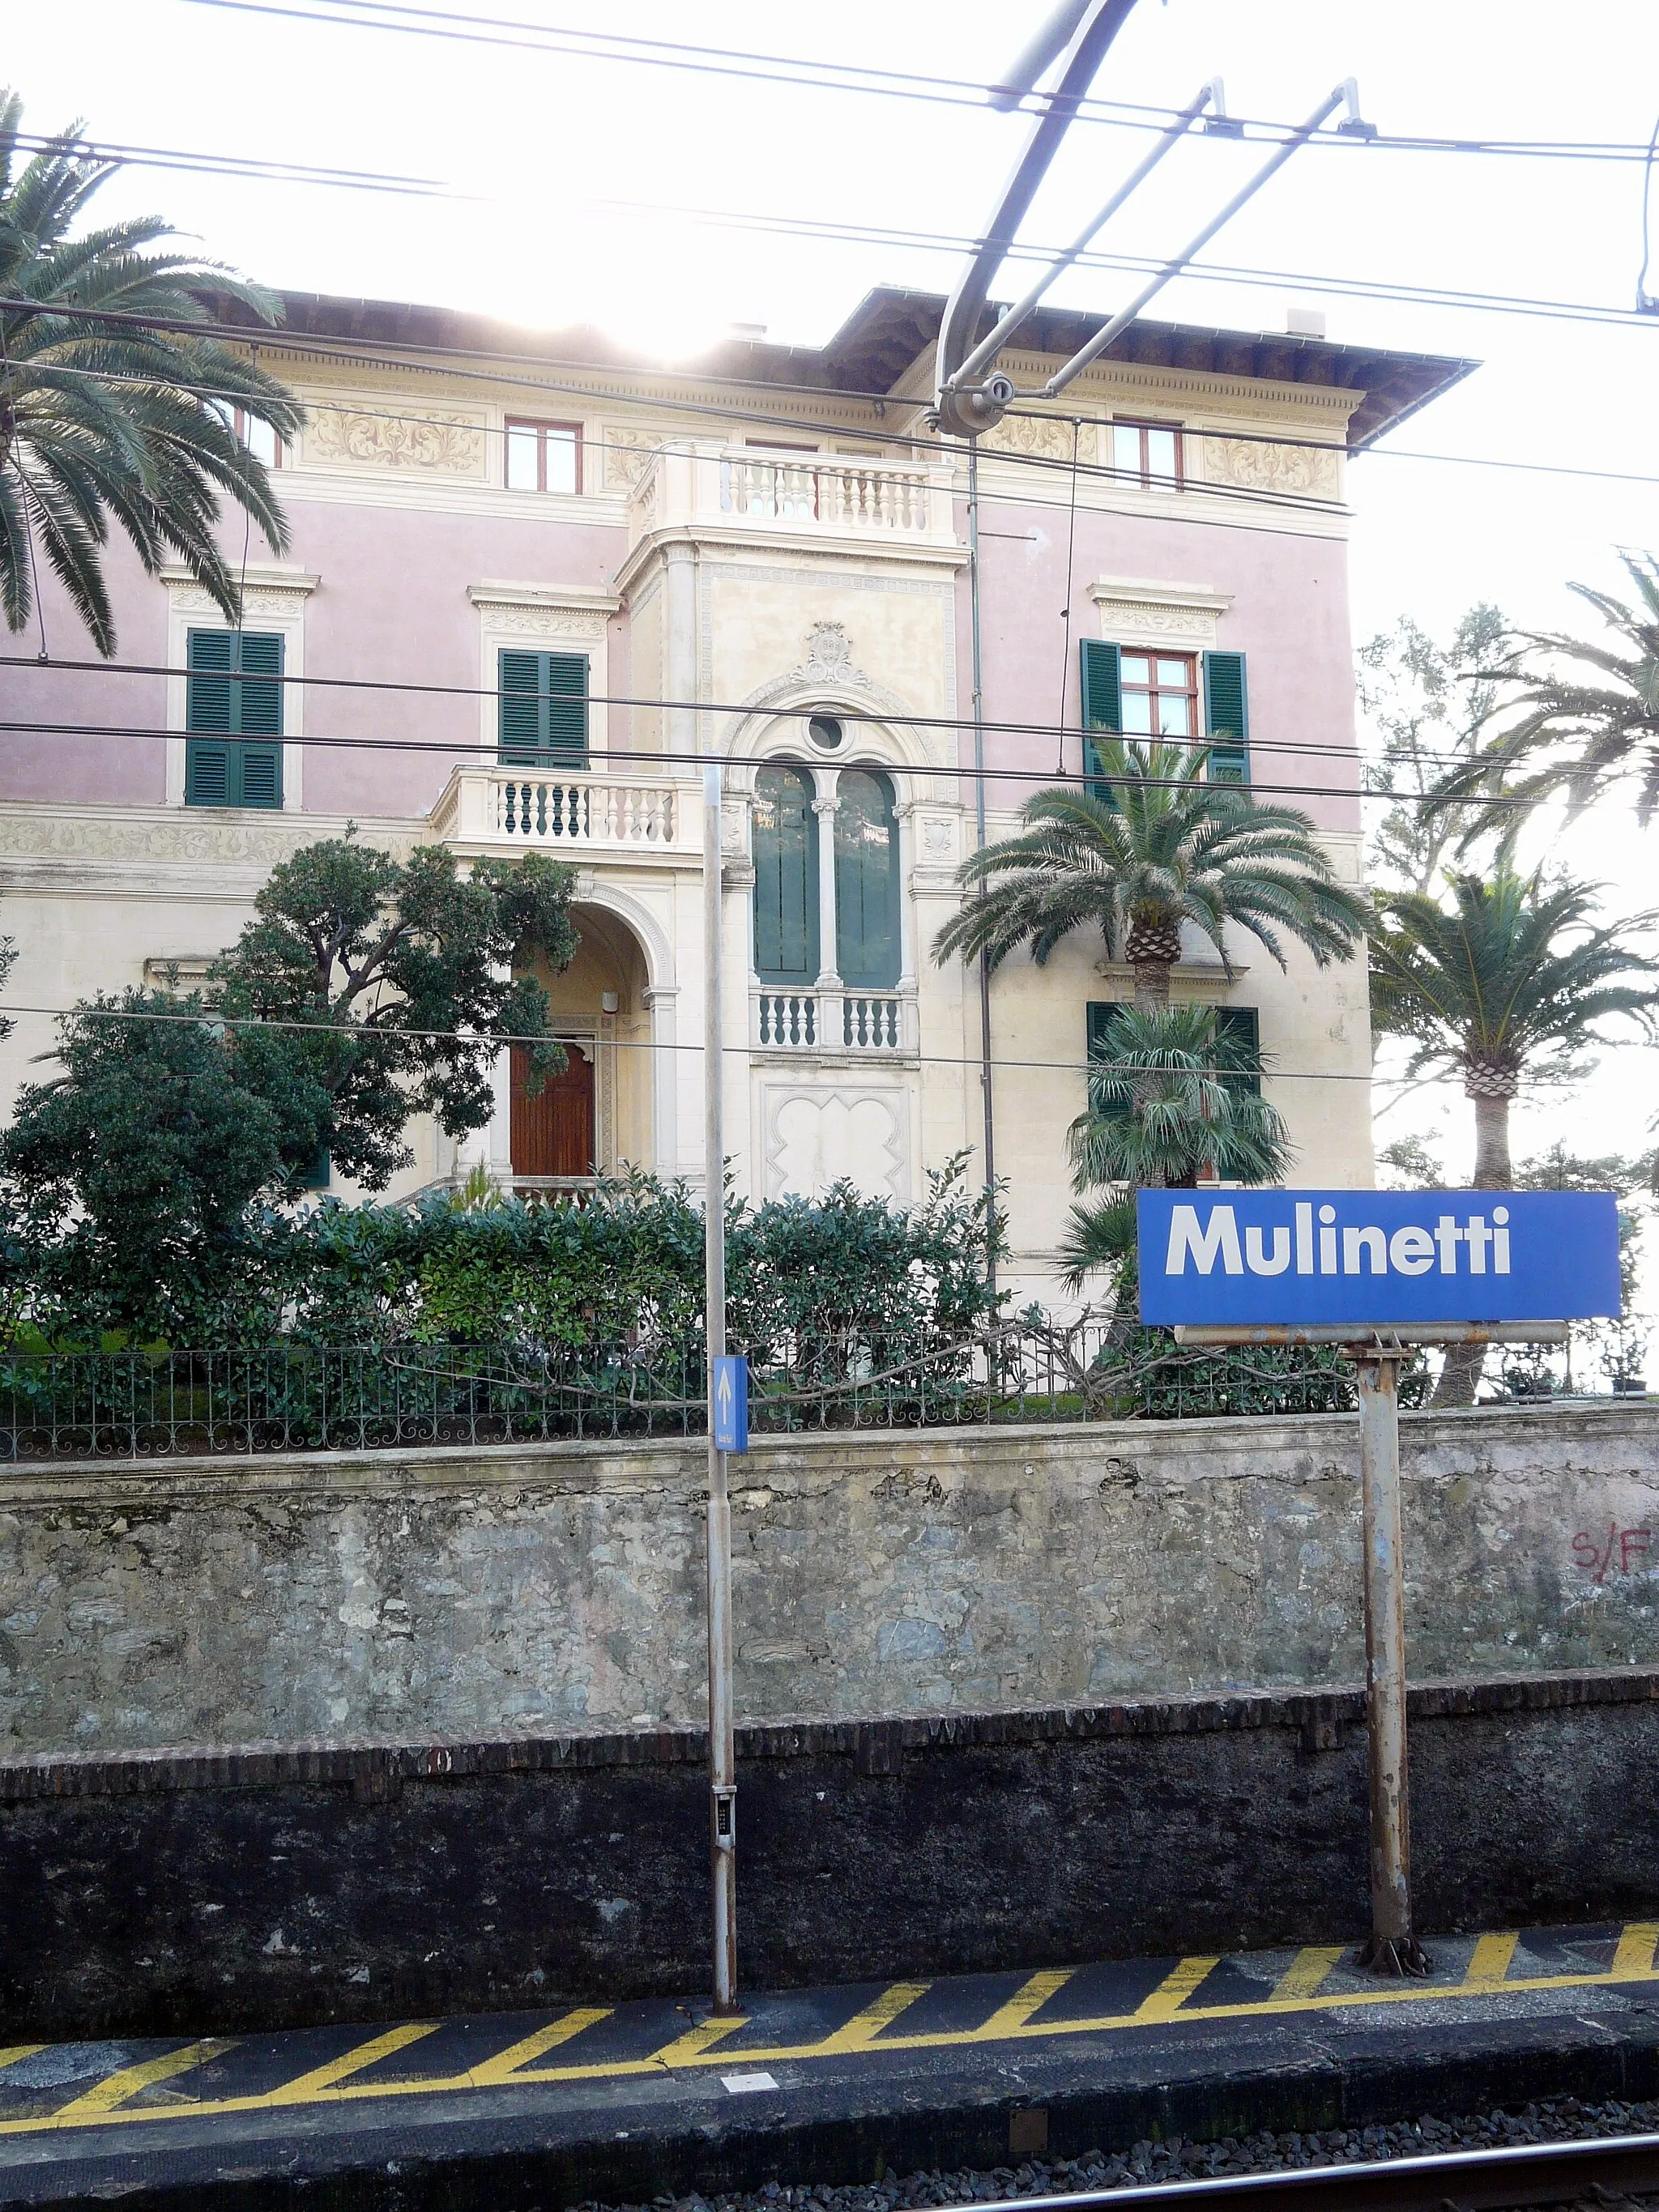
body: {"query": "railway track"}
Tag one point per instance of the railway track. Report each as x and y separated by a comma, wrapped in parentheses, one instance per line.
(1593, 2170)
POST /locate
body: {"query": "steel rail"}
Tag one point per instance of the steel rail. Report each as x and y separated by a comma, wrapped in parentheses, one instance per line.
(1513, 2176)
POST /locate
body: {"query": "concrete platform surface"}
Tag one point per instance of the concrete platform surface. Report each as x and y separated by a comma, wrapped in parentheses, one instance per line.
(834, 2084)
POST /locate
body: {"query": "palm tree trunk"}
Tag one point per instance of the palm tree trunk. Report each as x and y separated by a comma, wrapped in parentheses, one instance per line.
(1493, 1169)
(1461, 1375)
(1151, 985)
(1152, 997)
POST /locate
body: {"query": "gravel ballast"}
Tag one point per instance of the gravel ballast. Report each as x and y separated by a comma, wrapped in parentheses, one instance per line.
(1557, 2120)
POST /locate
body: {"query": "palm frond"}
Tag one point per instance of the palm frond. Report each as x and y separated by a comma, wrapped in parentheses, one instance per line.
(1168, 843)
(103, 420)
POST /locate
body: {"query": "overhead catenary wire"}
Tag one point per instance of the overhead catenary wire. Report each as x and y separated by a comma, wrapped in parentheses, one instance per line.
(411, 361)
(395, 16)
(464, 755)
(1454, 299)
(1003, 457)
(325, 176)
(211, 1016)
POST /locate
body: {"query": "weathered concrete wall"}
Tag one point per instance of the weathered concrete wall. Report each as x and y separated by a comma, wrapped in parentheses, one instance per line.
(465, 1593)
(153, 1891)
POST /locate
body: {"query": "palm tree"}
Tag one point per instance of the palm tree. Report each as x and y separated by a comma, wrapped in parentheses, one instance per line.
(1580, 730)
(1167, 846)
(1172, 1096)
(1512, 977)
(102, 419)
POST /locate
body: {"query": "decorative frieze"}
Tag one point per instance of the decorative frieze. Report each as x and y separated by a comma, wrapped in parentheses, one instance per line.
(412, 438)
(1254, 464)
(1179, 614)
(627, 449)
(1044, 437)
(535, 611)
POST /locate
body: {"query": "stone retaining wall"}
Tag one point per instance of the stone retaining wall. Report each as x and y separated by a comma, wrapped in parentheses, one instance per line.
(458, 1593)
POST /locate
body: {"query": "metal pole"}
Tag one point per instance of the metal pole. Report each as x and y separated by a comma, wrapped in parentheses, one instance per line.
(979, 831)
(722, 1763)
(1393, 1948)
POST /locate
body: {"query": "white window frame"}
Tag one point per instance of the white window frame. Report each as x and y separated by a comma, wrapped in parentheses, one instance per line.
(537, 618)
(273, 600)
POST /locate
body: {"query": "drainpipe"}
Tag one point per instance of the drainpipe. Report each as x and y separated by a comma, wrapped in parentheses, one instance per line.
(979, 828)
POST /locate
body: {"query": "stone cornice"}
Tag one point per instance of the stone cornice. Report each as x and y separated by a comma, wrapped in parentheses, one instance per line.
(573, 598)
(841, 552)
(263, 576)
(1105, 380)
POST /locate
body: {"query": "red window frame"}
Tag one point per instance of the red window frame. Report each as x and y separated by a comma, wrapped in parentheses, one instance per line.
(541, 425)
(1152, 691)
(241, 423)
(1145, 475)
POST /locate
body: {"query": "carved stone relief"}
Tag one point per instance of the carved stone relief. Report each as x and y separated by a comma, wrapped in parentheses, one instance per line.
(112, 837)
(266, 600)
(1128, 618)
(1047, 436)
(542, 622)
(939, 837)
(816, 1138)
(627, 451)
(1262, 467)
(451, 445)
(829, 657)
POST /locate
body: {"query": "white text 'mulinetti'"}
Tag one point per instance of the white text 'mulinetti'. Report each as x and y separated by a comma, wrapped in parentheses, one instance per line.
(1332, 1248)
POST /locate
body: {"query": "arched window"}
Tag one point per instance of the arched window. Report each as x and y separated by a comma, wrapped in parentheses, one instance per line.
(785, 877)
(866, 881)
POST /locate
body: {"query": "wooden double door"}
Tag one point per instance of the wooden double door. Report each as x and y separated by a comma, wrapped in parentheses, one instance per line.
(555, 1132)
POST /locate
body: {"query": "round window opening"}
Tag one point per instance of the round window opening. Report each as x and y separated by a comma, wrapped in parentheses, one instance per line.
(825, 732)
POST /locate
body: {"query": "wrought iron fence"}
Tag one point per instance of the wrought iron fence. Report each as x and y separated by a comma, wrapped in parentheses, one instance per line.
(300, 1397)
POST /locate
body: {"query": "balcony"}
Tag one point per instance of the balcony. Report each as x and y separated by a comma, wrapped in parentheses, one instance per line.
(870, 1025)
(569, 810)
(828, 497)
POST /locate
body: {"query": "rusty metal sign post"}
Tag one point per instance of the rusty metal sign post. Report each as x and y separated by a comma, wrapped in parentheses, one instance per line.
(1378, 1355)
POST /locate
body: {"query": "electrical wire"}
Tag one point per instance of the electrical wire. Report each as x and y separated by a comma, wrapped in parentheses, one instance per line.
(829, 462)
(465, 755)
(391, 15)
(739, 711)
(944, 243)
(1232, 436)
(109, 153)
(646, 1044)
(1216, 272)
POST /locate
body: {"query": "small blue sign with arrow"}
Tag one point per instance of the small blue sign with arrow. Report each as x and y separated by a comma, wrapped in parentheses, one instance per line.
(731, 1405)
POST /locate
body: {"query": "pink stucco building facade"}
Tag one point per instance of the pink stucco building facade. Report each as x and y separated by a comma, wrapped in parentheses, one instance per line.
(531, 580)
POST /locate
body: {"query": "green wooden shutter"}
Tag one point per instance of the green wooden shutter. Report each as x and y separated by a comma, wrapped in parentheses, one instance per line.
(233, 718)
(567, 709)
(1103, 704)
(1098, 1015)
(1243, 1026)
(786, 878)
(1227, 717)
(866, 882)
(544, 709)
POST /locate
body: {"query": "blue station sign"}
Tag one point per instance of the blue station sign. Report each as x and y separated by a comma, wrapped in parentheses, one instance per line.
(1310, 1258)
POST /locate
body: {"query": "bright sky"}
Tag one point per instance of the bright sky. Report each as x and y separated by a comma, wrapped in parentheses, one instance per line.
(547, 140)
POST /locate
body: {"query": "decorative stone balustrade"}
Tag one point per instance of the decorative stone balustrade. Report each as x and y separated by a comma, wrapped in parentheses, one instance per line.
(692, 486)
(879, 1023)
(567, 810)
